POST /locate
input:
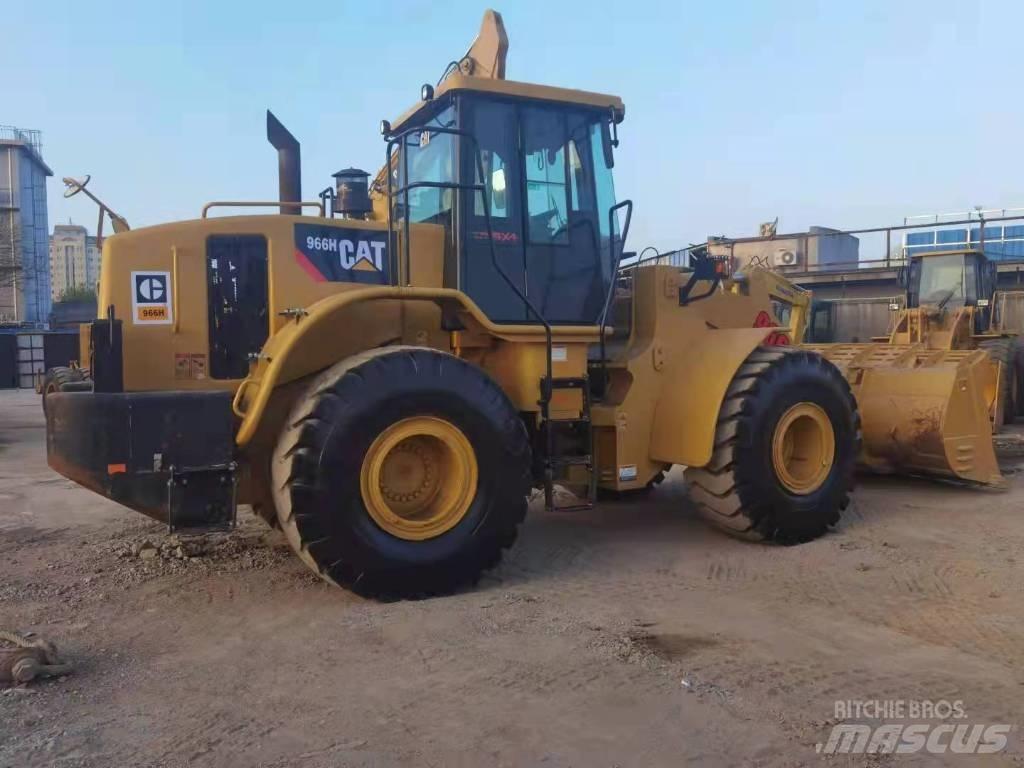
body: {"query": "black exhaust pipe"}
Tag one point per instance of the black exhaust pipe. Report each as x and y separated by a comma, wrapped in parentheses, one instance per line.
(289, 169)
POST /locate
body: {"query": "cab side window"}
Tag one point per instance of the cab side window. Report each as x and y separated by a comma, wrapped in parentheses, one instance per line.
(547, 184)
(429, 157)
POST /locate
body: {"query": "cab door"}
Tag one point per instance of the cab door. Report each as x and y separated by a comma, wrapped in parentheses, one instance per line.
(567, 273)
(494, 124)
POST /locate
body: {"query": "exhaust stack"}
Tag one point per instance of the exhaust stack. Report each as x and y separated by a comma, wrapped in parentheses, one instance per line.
(289, 169)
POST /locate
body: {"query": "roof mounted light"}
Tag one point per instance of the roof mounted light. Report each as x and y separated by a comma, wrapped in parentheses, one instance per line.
(385, 127)
(426, 92)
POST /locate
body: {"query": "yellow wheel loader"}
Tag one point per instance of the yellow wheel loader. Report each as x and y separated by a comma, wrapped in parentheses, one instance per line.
(389, 372)
(952, 303)
(932, 392)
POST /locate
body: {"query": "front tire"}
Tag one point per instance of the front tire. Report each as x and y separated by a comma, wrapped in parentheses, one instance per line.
(786, 444)
(1007, 352)
(403, 472)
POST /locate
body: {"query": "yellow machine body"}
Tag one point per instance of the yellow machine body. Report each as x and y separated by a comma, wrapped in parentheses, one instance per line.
(388, 373)
(643, 425)
(667, 375)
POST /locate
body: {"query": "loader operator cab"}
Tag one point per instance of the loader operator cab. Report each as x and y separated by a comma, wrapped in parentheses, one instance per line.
(953, 279)
(508, 167)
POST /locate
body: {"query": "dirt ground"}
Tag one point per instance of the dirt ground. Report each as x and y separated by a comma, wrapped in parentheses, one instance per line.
(626, 636)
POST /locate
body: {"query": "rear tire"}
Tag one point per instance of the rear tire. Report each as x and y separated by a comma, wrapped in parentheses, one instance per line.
(56, 377)
(331, 513)
(740, 490)
(1006, 351)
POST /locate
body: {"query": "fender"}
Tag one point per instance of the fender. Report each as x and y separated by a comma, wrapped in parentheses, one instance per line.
(696, 378)
(350, 322)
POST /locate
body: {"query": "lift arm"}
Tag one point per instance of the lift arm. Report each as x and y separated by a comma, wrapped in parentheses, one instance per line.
(485, 59)
(486, 56)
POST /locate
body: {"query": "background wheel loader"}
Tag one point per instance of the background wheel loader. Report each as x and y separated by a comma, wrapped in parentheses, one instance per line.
(947, 376)
(952, 303)
(388, 378)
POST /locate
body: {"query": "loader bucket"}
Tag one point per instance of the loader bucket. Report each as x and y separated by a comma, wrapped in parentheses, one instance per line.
(922, 411)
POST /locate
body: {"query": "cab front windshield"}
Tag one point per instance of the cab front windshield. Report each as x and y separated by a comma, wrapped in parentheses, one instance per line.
(943, 279)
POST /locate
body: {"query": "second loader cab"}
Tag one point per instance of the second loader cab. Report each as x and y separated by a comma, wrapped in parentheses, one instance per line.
(521, 175)
(951, 280)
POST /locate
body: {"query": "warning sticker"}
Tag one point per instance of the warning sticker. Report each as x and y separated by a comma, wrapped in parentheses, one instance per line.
(189, 365)
(182, 366)
(151, 298)
(198, 366)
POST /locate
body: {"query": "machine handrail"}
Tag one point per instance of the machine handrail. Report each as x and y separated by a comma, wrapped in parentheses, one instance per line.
(616, 258)
(260, 204)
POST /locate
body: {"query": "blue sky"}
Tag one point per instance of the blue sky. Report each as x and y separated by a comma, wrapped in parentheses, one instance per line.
(835, 113)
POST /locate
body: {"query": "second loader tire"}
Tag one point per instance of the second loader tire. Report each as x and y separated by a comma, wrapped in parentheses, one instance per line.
(1006, 352)
(402, 472)
(786, 443)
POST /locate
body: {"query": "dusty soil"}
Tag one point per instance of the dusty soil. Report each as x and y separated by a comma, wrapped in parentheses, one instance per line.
(626, 636)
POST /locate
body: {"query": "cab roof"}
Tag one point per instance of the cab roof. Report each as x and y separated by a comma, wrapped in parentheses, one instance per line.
(457, 82)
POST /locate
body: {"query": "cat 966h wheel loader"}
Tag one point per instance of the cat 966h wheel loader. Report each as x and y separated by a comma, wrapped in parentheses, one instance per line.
(389, 379)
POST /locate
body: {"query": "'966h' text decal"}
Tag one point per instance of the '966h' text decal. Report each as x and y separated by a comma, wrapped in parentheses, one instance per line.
(342, 254)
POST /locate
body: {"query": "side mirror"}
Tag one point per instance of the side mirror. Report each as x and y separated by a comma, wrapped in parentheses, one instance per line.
(606, 145)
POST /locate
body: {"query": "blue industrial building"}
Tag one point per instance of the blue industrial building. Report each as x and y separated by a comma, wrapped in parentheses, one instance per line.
(1001, 243)
(24, 231)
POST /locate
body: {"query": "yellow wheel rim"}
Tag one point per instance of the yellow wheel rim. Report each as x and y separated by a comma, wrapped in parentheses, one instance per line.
(803, 448)
(418, 478)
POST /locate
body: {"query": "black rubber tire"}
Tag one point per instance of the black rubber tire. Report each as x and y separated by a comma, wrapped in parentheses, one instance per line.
(316, 472)
(738, 491)
(1006, 352)
(57, 377)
